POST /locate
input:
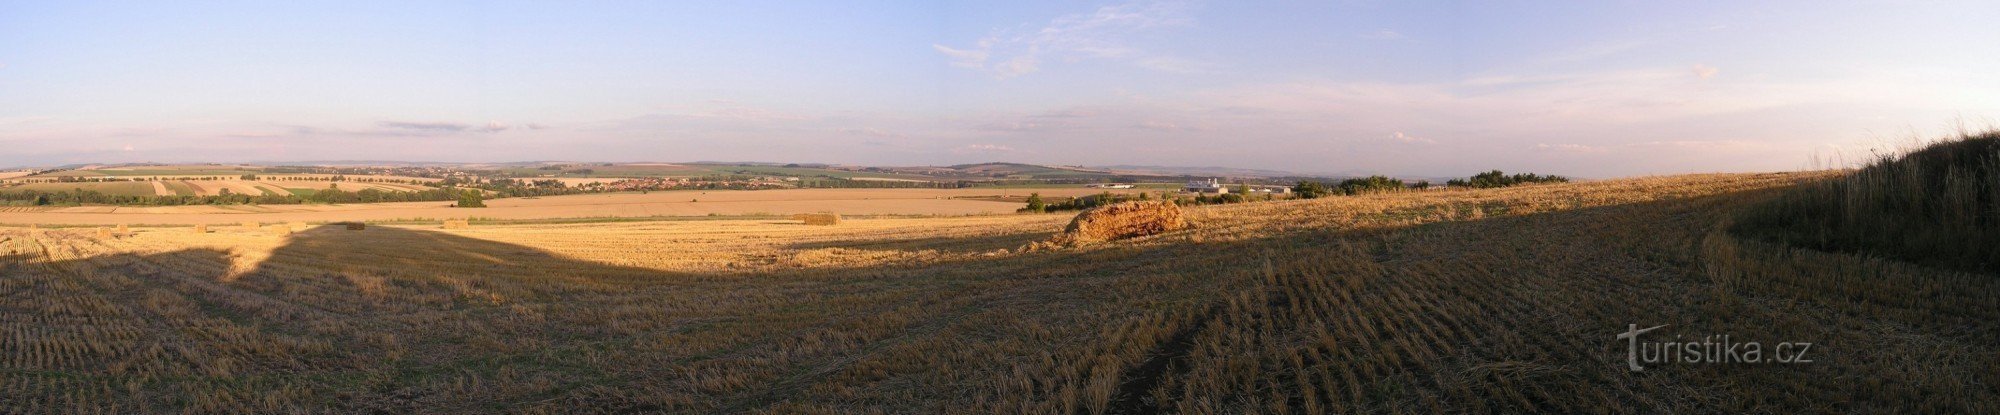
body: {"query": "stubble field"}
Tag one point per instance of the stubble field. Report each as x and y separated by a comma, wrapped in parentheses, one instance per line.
(1503, 300)
(678, 203)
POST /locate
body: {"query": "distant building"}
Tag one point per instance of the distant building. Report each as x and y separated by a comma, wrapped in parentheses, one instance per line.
(1276, 190)
(1109, 186)
(1210, 186)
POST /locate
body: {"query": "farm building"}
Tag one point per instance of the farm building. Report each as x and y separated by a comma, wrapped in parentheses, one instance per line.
(1210, 186)
(1109, 185)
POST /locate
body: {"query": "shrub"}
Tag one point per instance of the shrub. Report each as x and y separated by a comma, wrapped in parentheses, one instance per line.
(1370, 184)
(1308, 189)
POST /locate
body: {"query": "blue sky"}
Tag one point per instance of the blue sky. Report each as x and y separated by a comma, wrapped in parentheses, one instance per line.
(1594, 89)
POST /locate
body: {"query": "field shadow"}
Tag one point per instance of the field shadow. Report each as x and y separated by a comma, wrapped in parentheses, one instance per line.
(945, 244)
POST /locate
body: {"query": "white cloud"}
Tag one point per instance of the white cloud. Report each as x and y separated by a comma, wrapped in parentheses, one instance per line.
(966, 58)
(1704, 71)
(1103, 34)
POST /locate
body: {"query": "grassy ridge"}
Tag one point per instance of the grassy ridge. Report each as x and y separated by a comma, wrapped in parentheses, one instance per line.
(1939, 206)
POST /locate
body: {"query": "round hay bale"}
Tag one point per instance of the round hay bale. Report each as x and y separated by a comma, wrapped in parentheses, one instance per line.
(1122, 220)
(356, 226)
(457, 224)
(200, 228)
(103, 233)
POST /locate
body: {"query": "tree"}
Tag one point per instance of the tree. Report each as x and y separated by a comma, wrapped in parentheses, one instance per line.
(1308, 189)
(1498, 178)
(1370, 184)
(471, 198)
(249, 177)
(1035, 203)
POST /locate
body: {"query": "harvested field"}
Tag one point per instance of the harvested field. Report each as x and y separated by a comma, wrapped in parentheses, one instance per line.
(675, 203)
(1503, 300)
(457, 224)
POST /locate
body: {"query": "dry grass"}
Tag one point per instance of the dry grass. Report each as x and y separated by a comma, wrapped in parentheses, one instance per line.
(1500, 300)
(665, 203)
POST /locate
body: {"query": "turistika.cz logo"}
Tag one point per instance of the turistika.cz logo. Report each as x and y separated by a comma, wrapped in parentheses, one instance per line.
(1706, 349)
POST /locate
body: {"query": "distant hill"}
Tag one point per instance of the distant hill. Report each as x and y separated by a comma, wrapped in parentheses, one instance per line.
(998, 170)
(1199, 171)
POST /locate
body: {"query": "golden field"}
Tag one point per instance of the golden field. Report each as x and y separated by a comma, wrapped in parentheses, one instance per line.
(1502, 300)
(956, 202)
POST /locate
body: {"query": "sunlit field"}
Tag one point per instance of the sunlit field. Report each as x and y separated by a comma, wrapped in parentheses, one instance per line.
(1502, 300)
(677, 203)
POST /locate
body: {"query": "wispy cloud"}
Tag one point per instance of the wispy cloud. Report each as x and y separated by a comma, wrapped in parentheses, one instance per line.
(425, 126)
(1106, 33)
(871, 132)
(1704, 71)
(982, 148)
(1569, 148)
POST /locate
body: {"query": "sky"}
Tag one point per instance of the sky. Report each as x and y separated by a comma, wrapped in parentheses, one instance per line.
(1588, 89)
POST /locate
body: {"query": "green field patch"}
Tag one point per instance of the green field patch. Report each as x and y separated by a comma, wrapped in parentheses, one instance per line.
(180, 188)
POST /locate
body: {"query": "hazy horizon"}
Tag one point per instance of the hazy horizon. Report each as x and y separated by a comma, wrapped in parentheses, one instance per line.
(1590, 90)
